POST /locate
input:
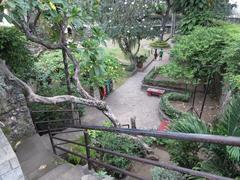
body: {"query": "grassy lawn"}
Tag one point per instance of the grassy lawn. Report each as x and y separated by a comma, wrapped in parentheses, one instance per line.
(114, 50)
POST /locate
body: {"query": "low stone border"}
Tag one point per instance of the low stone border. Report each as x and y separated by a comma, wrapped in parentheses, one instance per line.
(168, 109)
(167, 84)
(146, 86)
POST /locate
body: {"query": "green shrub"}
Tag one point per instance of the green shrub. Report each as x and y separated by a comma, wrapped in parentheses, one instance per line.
(80, 150)
(168, 109)
(170, 81)
(159, 44)
(15, 52)
(185, 154)
(130, 68)
(165, 174)
(118, 143)
(174, 71)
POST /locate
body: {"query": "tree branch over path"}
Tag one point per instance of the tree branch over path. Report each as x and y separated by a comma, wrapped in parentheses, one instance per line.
(34, 98)
(28, 22)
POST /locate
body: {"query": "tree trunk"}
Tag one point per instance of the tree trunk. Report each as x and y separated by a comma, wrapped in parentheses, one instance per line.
(173, 28)
(164, 20)
(66, 71)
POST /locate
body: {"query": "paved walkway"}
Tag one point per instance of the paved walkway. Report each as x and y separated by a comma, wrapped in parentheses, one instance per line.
(130, 100)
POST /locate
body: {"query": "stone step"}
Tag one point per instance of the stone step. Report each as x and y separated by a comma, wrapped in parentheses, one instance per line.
(69, 136)
(29, 147)
(39, 164)
(75, 173)
(90, 177)
(57, 172)
(34, 158)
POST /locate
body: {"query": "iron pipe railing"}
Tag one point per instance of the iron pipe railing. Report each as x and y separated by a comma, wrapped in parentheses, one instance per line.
(190, 137)
(51, 121)
(150, 162)
(46, 111)
(203, 138)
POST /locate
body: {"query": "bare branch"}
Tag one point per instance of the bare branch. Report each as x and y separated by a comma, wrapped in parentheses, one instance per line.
(32, 97)
(27, 31)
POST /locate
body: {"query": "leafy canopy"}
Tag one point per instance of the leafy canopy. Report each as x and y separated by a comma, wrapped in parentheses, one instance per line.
(13, 48)
(200, 52)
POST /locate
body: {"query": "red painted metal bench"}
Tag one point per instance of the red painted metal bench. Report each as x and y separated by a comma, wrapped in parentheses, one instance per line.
(155, 92)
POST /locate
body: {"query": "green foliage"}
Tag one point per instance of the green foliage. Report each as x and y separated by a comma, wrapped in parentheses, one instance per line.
(231, 56)
(190, 124)
(159, 44)
(149, 140)
(170, 78)
(129, 18)
(229, 125)
(201, 13)
(80, 150)
(128, 22)
(174, 71)
(194, 19)
(161, 173)
(130, 68)
(118, 143)
(14, 51)
(186, 153)
(141, 59)
(203, 58)
(93, 72)
(168, 109)
(219, 159)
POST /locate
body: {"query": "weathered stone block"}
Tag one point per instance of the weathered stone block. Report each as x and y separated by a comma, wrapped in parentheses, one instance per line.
(14, 163)
(12, 175)
(5, 167)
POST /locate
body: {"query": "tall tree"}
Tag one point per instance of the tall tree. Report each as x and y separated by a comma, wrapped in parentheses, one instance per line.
(56, 15)
(200, 12)
(128, 22)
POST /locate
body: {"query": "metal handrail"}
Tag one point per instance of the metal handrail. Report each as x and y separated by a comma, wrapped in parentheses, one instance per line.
(202, 138)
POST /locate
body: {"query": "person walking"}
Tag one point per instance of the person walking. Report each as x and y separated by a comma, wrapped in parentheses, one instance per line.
(161, 54)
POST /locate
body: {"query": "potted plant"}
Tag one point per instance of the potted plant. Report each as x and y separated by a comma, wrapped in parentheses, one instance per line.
(140, 60)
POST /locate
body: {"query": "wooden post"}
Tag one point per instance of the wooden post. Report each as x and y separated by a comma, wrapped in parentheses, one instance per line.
(133, 122)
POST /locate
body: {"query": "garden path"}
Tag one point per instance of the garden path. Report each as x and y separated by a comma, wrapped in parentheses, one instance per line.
(130, 100)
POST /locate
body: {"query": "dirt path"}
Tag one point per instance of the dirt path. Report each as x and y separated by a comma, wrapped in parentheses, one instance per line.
(128, 101)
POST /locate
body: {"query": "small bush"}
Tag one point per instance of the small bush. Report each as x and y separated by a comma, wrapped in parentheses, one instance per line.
(80, 150)
(159, 44)
(130, 68)
(118, 143)
(165, 174)
(168, 109)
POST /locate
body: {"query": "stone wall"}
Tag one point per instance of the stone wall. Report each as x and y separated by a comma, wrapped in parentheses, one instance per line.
(9, 166)
(14, 113)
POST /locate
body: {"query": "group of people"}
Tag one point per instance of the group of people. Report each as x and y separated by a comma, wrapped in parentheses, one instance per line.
(160, 54)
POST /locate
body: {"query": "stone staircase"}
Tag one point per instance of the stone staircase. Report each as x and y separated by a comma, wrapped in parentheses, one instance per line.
(39, 163)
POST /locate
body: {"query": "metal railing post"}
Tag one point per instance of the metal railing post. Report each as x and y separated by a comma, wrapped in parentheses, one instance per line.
(51, 140)
(133, 122)
(86, 139)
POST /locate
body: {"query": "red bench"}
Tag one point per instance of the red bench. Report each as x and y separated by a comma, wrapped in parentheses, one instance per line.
(155, 92)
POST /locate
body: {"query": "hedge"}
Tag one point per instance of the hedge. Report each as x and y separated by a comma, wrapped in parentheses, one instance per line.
(149, 79)
(168, 109)
(159, 44)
